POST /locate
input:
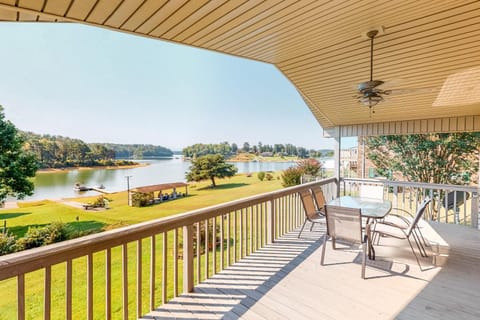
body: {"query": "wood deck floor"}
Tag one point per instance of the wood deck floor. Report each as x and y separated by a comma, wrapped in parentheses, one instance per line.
(286, 281)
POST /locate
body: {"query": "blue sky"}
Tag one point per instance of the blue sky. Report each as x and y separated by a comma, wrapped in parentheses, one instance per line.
(104, 86)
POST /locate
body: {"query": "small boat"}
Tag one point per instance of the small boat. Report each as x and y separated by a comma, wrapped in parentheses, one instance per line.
(80, 187)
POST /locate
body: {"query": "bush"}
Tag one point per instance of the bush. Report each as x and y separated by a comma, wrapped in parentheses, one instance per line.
(37, 237)
(101, 202)
(141, 199)
(310, 166)
(7, 243)
(269, 177)
(261, 175)
(291, 176)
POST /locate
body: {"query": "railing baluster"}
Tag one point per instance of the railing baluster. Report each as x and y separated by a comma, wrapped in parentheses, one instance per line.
(90, 286)
(47, 293)
(229, 262)
(214, 245)
(235, 236)
(164, 266)
(21, 296)
(206, 249)
(250, 228)
(222, 236)
(108, 284)
(68, 291)
(199, 260)
(153, 247)
(241, 235)
(125, 280)
(139, 278)
(175, 262)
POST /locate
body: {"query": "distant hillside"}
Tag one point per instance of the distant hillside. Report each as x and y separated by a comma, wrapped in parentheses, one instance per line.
(61, 152)
(138, 151)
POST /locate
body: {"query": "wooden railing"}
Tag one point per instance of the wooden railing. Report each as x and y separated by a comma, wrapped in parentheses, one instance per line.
(451, 203)
(126, 272)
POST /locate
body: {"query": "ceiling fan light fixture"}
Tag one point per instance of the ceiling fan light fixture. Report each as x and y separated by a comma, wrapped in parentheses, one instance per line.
(371, 100)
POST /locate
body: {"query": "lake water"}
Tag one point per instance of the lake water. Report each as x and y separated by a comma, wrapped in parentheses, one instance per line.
(55, 185)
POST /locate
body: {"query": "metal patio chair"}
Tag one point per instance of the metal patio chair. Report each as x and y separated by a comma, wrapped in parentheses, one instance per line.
(345, 225)
(319, 198)
(311, 213)
(405, 232)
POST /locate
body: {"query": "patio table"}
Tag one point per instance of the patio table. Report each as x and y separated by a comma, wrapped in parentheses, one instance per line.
(371, 208)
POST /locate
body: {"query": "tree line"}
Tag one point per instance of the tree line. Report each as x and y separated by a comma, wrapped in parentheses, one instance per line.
(59, 152)
(226, 149)
(138, 151)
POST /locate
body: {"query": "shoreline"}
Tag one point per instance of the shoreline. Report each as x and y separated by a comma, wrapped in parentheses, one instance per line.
(53, 170)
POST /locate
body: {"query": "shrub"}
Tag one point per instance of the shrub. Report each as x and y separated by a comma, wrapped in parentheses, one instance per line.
(56, 232)
(261, 175)
(7, 243)
(269, 177)
(141, 199)
(101, 202)
(309, 166)
(37, 237)
(291, 176)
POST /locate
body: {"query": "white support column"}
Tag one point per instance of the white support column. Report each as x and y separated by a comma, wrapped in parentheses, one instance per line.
(336, 155)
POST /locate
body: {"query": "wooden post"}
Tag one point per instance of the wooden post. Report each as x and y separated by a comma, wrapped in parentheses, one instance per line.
(188, 258)
(271, 222)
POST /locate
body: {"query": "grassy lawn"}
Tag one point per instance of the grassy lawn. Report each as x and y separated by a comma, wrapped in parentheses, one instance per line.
(44, 212)
(40, 213)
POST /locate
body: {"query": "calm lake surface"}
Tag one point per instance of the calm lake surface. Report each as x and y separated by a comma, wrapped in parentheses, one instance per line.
(55, 185)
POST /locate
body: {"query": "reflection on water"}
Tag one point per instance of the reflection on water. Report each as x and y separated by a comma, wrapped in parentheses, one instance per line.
(54, 185)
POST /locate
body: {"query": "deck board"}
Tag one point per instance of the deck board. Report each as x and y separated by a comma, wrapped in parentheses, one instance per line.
(286, 281)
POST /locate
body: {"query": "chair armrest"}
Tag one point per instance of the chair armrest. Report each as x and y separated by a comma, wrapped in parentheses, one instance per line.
(401, 218)
(403, 210)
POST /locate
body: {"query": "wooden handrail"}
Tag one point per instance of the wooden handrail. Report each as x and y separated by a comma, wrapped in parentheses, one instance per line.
(30, 260)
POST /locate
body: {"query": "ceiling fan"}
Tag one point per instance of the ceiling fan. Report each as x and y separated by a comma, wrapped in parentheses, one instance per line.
(369, 93)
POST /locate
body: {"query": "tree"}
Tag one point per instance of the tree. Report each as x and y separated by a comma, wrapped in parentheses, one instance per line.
(210, 167)
(16, 164)
(246, 147)
(234, 148)
(430, 158)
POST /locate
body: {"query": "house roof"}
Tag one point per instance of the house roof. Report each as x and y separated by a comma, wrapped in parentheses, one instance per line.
(318, 46)
(159, 187)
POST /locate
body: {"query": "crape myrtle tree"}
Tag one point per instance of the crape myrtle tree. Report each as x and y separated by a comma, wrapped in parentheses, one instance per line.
(210, 167)
(431, 158)
(16, 164)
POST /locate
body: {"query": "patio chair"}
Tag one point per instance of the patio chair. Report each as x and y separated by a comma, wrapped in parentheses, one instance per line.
(453, 201)
(319, 198)
(345, 224)
(311, 213)
(406, 233)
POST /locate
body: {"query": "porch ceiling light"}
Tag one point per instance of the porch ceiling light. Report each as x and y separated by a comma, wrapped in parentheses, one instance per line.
(371, 99)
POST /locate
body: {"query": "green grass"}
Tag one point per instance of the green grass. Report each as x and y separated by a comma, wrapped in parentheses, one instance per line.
(44, 212)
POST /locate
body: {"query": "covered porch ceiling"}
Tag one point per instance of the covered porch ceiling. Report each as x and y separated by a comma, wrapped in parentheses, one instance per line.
(318, 46)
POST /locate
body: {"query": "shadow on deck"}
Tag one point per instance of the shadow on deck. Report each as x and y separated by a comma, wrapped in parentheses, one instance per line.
(286, 281)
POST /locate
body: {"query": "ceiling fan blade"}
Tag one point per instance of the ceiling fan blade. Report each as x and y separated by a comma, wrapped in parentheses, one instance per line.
(411, 90)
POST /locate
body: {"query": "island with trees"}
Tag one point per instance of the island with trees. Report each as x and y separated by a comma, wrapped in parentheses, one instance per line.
(248, 152)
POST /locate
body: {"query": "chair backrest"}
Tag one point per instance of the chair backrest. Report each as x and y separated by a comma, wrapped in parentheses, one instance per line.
(420, 211)
(308, 204)
(455, 199)
(344, 223)
(319, 198)
(371, 191)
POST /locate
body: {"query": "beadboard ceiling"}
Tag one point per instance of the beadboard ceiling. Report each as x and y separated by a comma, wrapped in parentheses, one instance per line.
(316, 44)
